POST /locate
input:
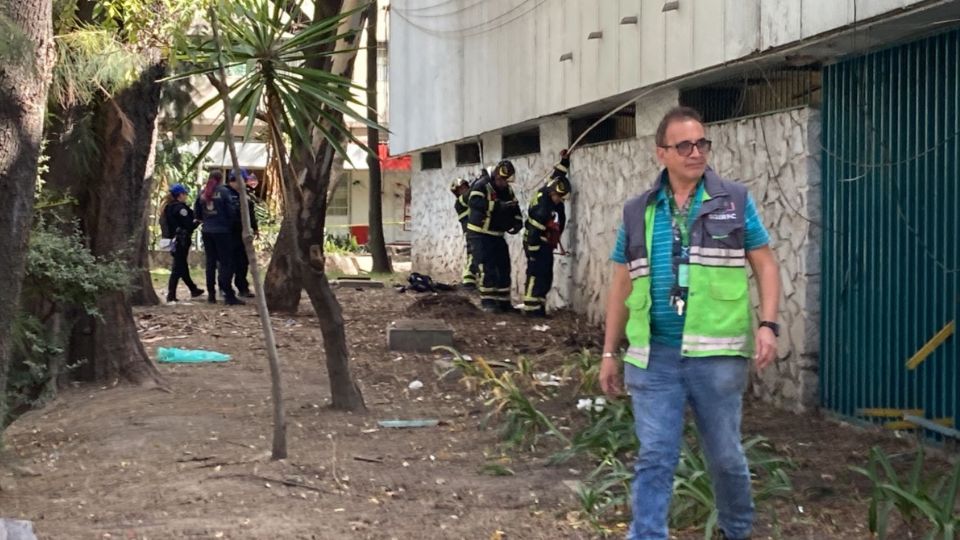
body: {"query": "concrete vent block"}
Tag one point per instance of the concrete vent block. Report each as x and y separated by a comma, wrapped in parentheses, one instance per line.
(418, 335)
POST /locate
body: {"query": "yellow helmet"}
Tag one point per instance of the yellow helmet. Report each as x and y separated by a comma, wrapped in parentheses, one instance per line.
(505, 170)
(457, 183)
(561, 186)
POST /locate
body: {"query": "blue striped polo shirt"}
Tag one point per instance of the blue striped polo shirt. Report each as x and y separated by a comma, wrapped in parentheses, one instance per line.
(666, 327)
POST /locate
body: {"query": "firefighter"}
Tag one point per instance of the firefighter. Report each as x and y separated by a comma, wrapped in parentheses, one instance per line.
(546, 219)
(494, 210)
(461, 190)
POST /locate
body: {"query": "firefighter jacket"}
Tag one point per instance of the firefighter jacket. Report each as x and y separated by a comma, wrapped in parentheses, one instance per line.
(493, 211)
(541, 213)
(462, 209)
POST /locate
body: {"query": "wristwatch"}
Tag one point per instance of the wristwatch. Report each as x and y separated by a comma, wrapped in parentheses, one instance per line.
(772, 326)
(608, 355)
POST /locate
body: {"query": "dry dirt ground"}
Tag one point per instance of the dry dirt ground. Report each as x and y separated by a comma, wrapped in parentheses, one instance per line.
(129, 463)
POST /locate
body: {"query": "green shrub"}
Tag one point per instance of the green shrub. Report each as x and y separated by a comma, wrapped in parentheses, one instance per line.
(63, 279)
(913, 496)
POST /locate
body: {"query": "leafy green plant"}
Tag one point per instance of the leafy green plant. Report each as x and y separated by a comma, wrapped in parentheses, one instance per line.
(522, 423)
(346, 244)
(913, 496)
(606, 488)
(61, 275)
(583, 367)
(609, 433)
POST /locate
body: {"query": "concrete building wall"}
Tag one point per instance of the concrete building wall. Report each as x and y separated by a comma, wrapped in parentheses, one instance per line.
(774, 155)
(473, 67)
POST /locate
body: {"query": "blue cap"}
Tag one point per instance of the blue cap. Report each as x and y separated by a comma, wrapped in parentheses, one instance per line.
(178, 189)
(243, 174)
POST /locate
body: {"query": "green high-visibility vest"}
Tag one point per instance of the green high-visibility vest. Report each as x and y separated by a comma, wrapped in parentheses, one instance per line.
(718, 321)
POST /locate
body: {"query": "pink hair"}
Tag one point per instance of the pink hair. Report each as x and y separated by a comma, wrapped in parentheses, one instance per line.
(212, 182)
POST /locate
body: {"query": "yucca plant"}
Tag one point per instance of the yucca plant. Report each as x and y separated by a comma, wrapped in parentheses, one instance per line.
(584, 367)
(279, 87)
(605, 488)
(912, 496)
(522, 422)
(611, 432)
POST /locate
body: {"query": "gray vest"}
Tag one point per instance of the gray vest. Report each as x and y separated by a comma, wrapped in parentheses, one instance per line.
(716, 235)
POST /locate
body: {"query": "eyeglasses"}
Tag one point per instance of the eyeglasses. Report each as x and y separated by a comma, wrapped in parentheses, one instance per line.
(685, 148)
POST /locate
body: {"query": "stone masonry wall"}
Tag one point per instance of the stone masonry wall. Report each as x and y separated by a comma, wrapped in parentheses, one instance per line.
(774, 155)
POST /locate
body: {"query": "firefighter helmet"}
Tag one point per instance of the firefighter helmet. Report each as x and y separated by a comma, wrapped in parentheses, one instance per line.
(561, 186)
(457, 183)
(505, 170)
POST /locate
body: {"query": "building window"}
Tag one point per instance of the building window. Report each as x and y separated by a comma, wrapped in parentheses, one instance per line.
(760, 92)
(430, 160)
(522, 142)
(622, 125)
(340, 202)
(468, 153)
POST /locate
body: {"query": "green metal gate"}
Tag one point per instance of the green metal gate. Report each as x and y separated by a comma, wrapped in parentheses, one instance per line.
(891, 239)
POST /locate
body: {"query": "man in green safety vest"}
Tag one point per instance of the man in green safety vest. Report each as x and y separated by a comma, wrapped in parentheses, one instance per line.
(681, 296)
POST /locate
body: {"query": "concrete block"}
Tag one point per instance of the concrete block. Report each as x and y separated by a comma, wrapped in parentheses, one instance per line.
(418, 335)
(354, 283)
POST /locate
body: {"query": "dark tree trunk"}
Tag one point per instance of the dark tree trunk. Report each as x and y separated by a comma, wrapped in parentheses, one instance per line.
(143, 292)
(376, 244)
(283, 284)
(344, 392)
(24, 81)
(112, 219)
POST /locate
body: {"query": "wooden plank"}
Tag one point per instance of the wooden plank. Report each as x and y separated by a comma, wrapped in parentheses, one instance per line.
(889, 413)
(905, 424)
(931, 345)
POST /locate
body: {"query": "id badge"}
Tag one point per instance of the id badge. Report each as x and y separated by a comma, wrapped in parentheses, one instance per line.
(683, 276)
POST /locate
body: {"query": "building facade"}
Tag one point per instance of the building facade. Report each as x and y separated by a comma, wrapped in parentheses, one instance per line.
(524, 79)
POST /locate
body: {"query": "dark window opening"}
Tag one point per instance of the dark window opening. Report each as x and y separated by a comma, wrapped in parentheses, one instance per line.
(468, 153)
(430, 160)
(756, 93)
(622, 125)
(521, 142)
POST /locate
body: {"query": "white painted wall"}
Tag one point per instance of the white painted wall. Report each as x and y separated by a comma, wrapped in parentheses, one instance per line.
(467, 67)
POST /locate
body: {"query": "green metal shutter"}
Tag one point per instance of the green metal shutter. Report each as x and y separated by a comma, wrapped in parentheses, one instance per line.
(891, 238)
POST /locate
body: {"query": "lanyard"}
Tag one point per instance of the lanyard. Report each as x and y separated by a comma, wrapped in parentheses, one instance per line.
(681, 222)
(681, 247)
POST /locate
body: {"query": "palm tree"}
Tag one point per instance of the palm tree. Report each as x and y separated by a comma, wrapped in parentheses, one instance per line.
(300, 102)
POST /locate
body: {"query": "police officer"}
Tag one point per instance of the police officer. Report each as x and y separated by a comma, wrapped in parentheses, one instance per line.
(546, 219)
(494, 210)
(461, 190)
(240, 261)
(178, 220)
(217, 211)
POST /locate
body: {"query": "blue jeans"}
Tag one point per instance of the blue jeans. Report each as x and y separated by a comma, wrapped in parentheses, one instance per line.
(714, 388)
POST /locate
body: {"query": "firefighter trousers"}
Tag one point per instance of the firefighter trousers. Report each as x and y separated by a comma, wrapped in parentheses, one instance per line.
(539, 279)
(493, 262)
(471, 274)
